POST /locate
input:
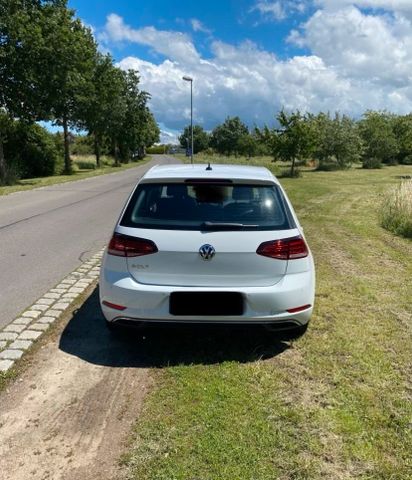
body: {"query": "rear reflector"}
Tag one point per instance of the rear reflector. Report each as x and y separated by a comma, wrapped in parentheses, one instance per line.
(298, 309)
(113, 305)
(284, 249)
(125, 246)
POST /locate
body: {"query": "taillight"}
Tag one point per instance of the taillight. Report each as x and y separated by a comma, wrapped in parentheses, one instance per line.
(284, 249)
(125, 246)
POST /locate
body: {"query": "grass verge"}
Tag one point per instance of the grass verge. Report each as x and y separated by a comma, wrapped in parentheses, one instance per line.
(334, 404)
(396, 210)
(78, 174)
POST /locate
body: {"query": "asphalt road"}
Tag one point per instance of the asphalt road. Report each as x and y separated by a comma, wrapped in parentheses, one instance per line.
(46, 233)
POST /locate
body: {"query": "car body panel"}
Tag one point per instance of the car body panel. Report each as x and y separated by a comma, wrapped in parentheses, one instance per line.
(269, 287)
(178, 262)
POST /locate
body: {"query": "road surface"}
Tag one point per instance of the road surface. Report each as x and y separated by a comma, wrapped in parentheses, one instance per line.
(46, 233)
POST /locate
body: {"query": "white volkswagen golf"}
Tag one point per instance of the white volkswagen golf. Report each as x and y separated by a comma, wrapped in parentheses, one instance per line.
(208, 244)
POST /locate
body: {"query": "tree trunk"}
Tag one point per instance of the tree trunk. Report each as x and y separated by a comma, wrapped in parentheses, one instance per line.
(141, 153)
(292, 168)
(116, 154)
(2, 164)
(97, 149)
(67, 160)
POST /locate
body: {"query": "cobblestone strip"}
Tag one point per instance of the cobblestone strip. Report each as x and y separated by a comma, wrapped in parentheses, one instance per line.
(20, 334)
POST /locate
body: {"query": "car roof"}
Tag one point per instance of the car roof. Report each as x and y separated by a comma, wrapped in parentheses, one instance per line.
(178, 172)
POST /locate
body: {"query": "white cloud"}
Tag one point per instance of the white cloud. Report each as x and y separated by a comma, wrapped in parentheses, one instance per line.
(227, 85)
(374, 48)
(273, 10)
(174, 45)
(395, 5)
(357, 61)
(198, 26)
(168, 135)
(276, 10)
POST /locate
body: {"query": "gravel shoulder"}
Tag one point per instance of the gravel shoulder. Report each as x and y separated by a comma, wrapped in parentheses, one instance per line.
(69, 414)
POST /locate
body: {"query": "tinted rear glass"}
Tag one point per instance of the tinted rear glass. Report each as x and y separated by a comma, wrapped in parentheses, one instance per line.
(207, 206)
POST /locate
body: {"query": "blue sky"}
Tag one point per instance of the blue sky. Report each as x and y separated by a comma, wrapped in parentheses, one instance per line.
(229, 21)
(253, 57)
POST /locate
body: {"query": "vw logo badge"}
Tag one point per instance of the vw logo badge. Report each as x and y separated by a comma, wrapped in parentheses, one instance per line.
(207, 252)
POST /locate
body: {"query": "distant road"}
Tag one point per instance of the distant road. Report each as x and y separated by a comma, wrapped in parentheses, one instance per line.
(46, 233)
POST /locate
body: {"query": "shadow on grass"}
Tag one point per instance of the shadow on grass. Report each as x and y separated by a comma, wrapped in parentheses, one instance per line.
(27, 182)
(403, 177)
(87, 337)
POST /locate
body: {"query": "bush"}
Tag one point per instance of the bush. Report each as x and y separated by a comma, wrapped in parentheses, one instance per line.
(106, 161)
(396, 210)
(157, 149)
(12, 176)
(209, 152)
(86, 164)
(286, 173)
(31, 150)
(407, 160)
(328, 167)
(82, 145)
(372, 163)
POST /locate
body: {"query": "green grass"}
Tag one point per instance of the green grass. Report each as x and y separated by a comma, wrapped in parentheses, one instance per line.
(335, 404)
(78, 174)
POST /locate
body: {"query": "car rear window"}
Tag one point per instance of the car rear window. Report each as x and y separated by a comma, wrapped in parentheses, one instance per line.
(207, 206)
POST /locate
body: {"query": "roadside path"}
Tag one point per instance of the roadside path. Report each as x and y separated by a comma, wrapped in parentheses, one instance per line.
(69, 414)
(48, 232)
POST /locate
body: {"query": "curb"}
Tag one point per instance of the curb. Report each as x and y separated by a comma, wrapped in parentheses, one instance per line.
(19, 335)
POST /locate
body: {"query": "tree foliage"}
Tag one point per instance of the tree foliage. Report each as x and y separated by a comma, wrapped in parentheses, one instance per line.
(31, 150)
(402, 129)
(295, 140)
(50, 69)
(381, 146)
(225, 137)
(200, 138)
(337, 141)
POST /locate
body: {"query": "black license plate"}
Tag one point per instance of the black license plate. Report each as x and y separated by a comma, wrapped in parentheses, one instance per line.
(206, 303)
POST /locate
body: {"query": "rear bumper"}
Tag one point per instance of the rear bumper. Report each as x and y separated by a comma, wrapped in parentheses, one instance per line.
(262, 305)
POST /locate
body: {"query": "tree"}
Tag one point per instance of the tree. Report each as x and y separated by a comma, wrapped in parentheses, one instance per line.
(96, 109)
(46, 63)
(402, 129)
(21, 67)
(200, 138)
(376, 130)
(247, 145)
(133, 136)
(68, 57)
(266, 139)
(225, 137)
(150, 133)
(295, 140)
(338, 143)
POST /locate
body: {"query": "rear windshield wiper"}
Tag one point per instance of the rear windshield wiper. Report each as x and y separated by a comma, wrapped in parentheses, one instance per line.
(225, 226)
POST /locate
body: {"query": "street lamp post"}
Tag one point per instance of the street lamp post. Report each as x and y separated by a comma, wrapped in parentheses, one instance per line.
(190, 79)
